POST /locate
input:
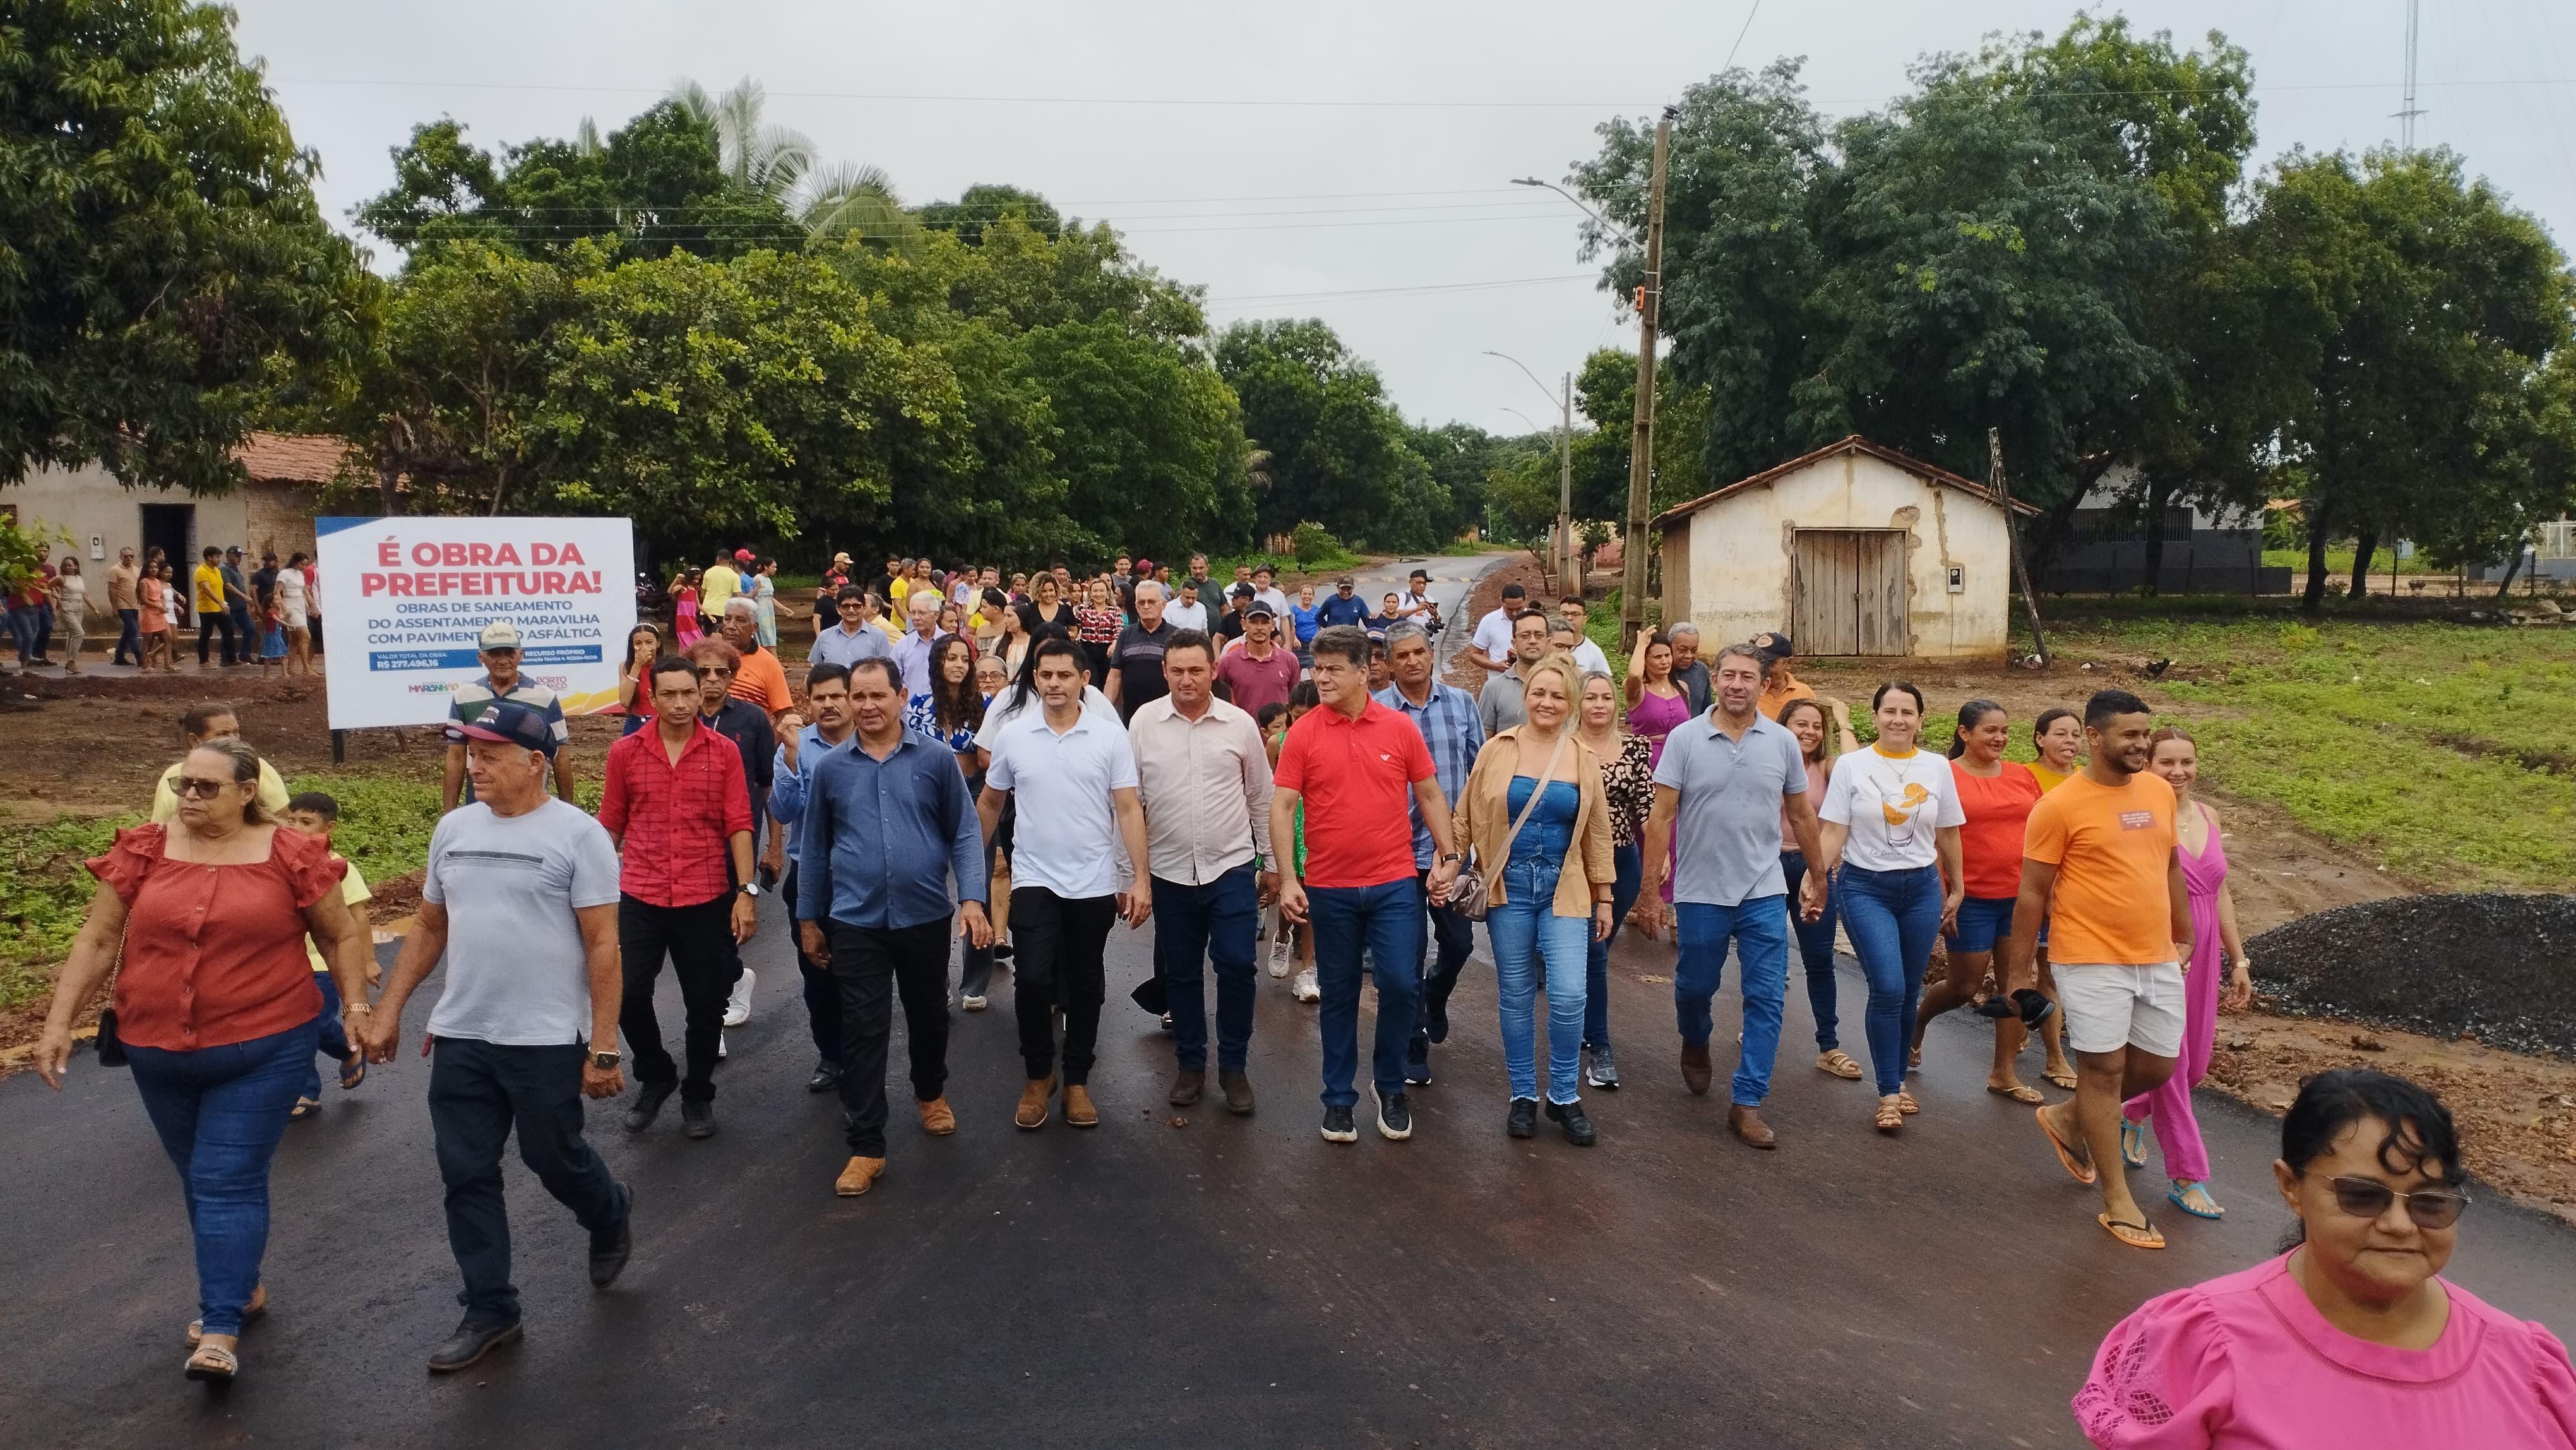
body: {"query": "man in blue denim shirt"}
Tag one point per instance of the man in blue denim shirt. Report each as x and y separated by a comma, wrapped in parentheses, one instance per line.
(827, 699)
(885, 823)
(1446, 716)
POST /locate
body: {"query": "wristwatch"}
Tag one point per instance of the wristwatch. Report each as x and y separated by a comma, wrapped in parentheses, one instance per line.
(605, 1061)
(749, 888)
(1452, 856)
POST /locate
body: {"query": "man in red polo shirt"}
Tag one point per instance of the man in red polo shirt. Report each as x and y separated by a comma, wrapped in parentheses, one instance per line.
(1356, 764)
(675, 803)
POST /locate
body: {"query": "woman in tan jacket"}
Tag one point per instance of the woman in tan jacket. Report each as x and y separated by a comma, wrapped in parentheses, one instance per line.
(1548, 886)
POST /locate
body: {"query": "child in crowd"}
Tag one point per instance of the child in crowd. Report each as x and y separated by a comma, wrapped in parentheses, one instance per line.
(684, 610)
(1274, 721)
(317, 814)
(272, 642)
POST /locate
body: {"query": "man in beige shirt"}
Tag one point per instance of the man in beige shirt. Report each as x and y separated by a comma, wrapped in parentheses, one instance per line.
(1204, 779)
(128, 604)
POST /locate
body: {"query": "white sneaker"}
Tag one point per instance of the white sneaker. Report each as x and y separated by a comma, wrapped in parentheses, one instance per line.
(720, 1047)
(1304, 988)
(1283, 954)
(738, 1006)
(972, 1002)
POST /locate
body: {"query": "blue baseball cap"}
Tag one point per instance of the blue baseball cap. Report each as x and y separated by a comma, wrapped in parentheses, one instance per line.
(512, 723)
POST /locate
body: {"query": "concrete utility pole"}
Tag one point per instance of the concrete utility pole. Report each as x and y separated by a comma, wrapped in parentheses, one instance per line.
(2012, 543)
(1568, 557)
(1641, 446)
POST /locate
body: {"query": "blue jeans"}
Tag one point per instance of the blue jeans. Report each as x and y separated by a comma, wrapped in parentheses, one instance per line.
(1525, 931)
(1815, 949)
(1760, 928)
(129, 637)
(220, 1112)
(1455, 938)
(1892, 917)
(1387, 919)
(22, 634)
(1217, 921)
(479, 1092)
(334, 1039)
(1631, 861)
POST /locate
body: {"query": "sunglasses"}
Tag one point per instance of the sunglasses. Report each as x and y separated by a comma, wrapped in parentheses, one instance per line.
(190, 786)
(2369, 1198)
(714, 672)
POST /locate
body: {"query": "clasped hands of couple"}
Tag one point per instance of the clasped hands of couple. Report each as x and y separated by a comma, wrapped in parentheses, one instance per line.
(1656, 914)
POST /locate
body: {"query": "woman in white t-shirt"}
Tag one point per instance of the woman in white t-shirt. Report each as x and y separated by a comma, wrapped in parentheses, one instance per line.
(1891, 824)
(291, 615)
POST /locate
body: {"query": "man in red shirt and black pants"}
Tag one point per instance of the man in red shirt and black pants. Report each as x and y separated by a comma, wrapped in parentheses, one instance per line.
(1355, 763)
(675, 802)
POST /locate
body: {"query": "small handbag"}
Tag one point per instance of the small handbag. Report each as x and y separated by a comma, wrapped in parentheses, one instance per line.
(1469, 896)
(111, 1048)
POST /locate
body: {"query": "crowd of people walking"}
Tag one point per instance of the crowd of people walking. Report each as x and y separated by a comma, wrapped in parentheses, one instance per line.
(1026, 765)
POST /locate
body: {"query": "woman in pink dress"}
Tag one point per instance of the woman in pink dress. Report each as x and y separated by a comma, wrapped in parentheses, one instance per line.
(684, 611)
(2213, 929)
(1655, 706)
(2352, 1338)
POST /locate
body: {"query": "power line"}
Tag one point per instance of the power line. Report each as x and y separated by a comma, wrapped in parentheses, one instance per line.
(1418, 289)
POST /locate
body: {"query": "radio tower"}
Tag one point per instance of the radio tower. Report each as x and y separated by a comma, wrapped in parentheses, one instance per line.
(2406, 117)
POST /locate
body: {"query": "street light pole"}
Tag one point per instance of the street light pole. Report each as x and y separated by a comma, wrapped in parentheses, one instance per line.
(1641, 446)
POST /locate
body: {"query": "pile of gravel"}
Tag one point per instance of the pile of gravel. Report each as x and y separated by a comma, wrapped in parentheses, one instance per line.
(2502, 967)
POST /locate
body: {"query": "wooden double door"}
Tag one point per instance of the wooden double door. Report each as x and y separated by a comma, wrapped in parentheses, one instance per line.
(1847, 592)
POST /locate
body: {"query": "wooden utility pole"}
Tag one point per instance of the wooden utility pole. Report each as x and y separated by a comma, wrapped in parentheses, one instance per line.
(2012, 543)
(1641, 443)
(1568, 559)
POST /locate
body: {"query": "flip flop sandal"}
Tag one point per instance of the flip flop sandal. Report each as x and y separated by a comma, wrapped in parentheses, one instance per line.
(2135, 1235)
(213, 1364)
(1840, 1064)
(257, 1306)
(1890, 1118)
(304, 1108)
(353, 1071)
(2133, 1143)
(2076, 1168)
(2060, 1079)
(2020, 1092)
(1995, 1007)
(1906, 1104)
(2193, 1198)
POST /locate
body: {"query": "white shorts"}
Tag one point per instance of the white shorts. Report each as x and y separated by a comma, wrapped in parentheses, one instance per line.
(2109, 1007)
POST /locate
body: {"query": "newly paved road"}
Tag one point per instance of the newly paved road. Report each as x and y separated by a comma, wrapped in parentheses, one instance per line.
(1153, 1281)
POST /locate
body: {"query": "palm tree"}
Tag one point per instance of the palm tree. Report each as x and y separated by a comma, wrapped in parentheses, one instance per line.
(833, 202)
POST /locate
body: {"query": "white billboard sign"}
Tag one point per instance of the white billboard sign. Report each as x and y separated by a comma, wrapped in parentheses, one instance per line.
(405, 599)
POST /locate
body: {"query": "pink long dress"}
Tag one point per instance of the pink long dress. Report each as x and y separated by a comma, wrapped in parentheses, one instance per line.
(2247, 1363)
(1654, 716)
(2177, 1131)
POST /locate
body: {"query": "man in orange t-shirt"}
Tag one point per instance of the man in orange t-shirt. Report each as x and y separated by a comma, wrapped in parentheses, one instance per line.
(2099, 862)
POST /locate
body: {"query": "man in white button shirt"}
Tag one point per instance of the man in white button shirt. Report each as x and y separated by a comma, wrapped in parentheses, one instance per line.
(1073, 777)
(1205, 779)
(1493, 639)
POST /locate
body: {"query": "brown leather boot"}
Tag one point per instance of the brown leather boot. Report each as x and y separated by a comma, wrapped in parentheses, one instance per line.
(1078, 1111)
(1748, 1125)
(860, 1173)
(1033, 1102)
(1238, 1092)
(1695, 1070)
(937, 1118)
(1187, 1085)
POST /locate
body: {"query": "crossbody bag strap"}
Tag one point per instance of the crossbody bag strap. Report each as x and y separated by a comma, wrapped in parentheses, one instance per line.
(1531, 807)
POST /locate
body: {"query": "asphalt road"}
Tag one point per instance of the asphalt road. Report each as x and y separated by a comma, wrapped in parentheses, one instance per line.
(1167, 1278)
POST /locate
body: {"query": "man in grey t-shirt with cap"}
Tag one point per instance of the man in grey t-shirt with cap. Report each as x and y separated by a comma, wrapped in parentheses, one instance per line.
(1726, 780)
(526, 1024)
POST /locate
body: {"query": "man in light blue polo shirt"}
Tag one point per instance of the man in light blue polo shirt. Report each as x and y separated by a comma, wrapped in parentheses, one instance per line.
(855, 638)
(1726, 778)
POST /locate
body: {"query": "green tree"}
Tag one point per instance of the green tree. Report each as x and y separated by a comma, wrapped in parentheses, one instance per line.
(1338, 453)
(983, 204)
(1146, 438)
(161, 256)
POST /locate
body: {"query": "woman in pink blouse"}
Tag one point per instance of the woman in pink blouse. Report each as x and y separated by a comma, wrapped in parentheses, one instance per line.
(2352, 1338)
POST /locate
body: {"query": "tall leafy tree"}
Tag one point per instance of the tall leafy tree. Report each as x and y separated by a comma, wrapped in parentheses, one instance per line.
(1338, 453)
(984, 204)
(160, 252)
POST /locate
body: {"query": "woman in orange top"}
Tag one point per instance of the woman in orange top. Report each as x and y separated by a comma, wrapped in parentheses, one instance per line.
(215, 1007)
(1997, 795)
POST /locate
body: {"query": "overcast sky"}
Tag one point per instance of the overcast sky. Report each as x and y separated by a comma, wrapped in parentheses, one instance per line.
(1333, 159)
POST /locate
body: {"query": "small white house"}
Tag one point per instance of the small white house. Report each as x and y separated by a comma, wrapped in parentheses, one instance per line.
(1854, 549)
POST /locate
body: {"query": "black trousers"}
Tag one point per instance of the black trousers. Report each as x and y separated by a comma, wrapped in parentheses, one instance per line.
(872, 966)
(822, 993)
(478, 1092)
(699, 941)
(209, 621)
(1455, 937)
(1057, 943)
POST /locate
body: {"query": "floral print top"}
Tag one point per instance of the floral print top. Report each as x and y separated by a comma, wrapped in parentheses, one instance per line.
(1629, 783)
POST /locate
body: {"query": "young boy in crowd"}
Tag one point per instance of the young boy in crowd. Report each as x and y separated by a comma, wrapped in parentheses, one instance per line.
(317, 814)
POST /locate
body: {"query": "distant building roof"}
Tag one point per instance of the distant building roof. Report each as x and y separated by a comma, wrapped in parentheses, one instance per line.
(1931, 473)
(293, 457)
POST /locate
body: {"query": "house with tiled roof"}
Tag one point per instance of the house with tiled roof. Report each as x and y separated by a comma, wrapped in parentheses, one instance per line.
(272, 511)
